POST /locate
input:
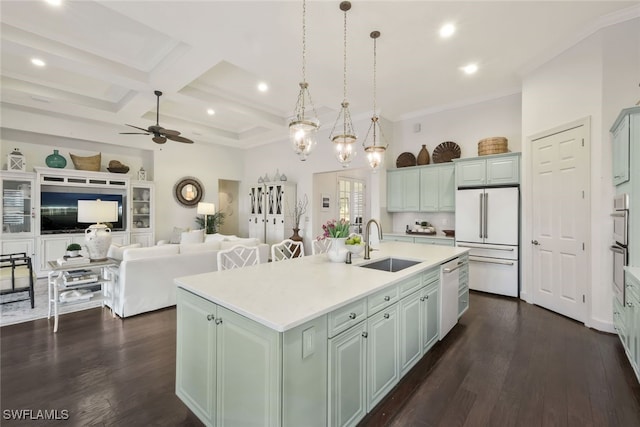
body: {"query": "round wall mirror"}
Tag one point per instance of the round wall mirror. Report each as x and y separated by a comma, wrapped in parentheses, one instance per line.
(188, 191)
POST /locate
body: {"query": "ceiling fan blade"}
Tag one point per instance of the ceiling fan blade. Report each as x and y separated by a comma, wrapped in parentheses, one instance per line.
(180, 139)
(136, 127)
(159, 139)
(170, 132)
(134, 133)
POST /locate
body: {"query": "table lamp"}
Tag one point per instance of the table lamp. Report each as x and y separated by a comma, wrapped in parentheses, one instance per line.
(206, 209)
(98, 236)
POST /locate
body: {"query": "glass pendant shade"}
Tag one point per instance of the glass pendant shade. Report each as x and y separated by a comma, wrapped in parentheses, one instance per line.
(375, 153)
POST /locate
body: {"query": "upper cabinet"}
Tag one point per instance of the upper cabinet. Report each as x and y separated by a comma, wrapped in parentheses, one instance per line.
(421, 189)
(403, 190)
(621, 137)
(499, 169)
(142, 212)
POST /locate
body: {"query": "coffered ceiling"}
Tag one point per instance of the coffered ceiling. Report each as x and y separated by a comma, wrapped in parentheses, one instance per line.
(104, 59)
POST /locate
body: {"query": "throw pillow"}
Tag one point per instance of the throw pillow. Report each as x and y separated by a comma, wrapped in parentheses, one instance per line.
(228, 244)
(150, 252)
(194, 236)
(176, 234)
(116, 251)
(217, 237)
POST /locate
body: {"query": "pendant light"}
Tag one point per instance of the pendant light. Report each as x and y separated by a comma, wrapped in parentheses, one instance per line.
(303, 128)
(375, 152)
(344, 138)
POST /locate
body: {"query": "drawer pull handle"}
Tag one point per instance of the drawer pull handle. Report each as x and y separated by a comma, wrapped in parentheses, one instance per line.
(210, 317)
(218, 321)
(352, 316)
(386, 315)
(464, 301)
(629, 304)
(423, 298)
(387, 298)
(365, 335)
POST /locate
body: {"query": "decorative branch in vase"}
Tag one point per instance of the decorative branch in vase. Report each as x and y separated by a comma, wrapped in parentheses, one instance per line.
(299, 209)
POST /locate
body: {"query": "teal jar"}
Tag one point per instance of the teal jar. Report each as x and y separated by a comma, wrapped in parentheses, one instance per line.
(55, 160)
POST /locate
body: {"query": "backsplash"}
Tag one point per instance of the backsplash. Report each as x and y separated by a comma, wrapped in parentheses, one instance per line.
(439, 220)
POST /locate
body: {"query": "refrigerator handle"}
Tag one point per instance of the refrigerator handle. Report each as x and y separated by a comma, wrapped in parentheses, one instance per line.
(480, 215)
(486, 215)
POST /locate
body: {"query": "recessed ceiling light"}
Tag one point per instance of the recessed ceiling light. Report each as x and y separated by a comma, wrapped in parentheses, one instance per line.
(38, 62)
(263, 87)
(447, 30)
(211, 111)
(470, 69)
(54, 2)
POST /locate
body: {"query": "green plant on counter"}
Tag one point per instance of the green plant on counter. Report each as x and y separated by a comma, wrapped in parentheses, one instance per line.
(214, 222)
(74, 247)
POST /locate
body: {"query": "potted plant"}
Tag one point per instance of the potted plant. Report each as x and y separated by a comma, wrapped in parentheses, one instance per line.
(213, 222)
(73, 250)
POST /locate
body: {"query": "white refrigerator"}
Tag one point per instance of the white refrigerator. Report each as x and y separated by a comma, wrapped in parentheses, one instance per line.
(487, 222)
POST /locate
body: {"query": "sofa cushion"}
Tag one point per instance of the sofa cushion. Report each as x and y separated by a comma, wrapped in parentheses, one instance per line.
(189, 248)
(217, 237)
(228, 244)
(193, 236)
(150, 252)
(176, 234)
(116, 251)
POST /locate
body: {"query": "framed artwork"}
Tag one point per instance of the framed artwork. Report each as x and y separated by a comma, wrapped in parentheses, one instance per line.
(325, 202)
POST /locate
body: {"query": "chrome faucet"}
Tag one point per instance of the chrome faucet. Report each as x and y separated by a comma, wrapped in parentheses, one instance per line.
(367, 237)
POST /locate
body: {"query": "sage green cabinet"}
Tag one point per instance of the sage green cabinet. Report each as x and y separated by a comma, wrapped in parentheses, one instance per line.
(620, 150)
(228, 368)
(383, 347)
(463, 288)
(629, 321)
(430, 316)
(411, 331)
(437, 188)
(403, 190)
(498, 169)
(348, 376)
(433, 241)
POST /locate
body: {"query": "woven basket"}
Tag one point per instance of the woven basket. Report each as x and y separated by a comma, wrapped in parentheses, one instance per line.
(91, 163)
(494, 145)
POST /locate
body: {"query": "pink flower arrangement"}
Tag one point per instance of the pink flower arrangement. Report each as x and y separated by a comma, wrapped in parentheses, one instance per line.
(335, 229)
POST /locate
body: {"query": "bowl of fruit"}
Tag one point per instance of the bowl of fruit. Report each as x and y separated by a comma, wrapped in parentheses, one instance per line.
(354, 244)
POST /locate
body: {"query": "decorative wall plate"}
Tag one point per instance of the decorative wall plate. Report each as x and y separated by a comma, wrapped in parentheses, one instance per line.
(405, 159)
(446, 152)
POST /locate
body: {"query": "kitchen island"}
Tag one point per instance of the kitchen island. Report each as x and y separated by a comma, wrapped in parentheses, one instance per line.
(307, 341)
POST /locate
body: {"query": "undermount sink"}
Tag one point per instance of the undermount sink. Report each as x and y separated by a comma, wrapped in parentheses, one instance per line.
(390, 264)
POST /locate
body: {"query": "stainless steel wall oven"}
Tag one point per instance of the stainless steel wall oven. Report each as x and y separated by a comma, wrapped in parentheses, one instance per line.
(620, 217)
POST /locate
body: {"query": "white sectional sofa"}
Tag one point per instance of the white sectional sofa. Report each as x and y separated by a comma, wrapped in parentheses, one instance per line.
(144, 278)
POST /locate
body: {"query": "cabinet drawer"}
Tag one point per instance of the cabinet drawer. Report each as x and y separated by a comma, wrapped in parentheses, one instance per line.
(347, 316)
(382, 299)
(410, 285)
(430, 277)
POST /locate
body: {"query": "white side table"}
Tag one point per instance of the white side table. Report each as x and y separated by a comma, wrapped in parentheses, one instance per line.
(105, 279)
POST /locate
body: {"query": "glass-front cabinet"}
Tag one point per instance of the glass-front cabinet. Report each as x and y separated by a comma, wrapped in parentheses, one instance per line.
(142, 213)
(17, 212)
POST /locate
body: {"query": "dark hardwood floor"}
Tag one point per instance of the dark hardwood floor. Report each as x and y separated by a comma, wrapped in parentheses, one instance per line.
(506, 363)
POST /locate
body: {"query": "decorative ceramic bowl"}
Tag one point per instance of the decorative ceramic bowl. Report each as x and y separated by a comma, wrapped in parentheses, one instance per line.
(355, 249)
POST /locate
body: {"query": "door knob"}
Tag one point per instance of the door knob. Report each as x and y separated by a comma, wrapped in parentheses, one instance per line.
(535, 242)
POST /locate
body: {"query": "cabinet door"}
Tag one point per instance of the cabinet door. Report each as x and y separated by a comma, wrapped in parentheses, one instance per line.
(430, 316)
(52, 248)
(17, 207)
(145, 239)
(621, 140)
(429, 189)
(347, 377)
(248, 372)
(411, 190)
(446, 188)
(410, 332)
(395, 191)
(17, 246)
(471, 173)
(383, 353)
(503, 170)
(195, 354)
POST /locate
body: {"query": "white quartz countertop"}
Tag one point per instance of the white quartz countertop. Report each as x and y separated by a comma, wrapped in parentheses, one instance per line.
(432, 236)
(283, 295)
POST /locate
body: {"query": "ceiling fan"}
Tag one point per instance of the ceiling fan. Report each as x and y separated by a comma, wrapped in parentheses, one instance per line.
(160, 134)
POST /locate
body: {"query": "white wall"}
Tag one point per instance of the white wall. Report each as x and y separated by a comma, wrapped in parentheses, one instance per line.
(595, 78)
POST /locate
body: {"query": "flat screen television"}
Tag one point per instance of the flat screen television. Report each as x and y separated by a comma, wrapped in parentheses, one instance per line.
(59, 211)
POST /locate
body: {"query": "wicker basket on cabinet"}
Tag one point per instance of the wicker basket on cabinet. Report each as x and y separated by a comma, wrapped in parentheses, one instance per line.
(493, 145)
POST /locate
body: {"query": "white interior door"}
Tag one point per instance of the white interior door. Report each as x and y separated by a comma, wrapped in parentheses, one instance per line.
(560, 218)
(502, 207)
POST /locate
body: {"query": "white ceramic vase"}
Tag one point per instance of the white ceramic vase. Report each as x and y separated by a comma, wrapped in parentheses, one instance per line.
(98, 239)
(338, 251)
